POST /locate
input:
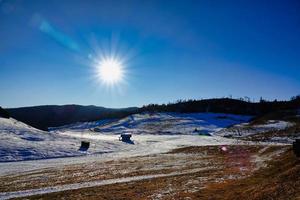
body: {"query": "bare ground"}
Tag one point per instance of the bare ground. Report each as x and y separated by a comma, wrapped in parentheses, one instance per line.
(213, 172)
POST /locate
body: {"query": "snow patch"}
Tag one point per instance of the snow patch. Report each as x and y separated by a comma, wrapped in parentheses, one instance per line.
(245, 129)
(152, 133)
(172, 123)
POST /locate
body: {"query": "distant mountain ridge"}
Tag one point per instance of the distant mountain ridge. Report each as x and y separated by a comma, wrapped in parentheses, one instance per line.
(42, 117)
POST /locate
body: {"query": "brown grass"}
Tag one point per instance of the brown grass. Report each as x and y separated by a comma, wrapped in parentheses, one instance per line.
(285, 115)
(212, 183)
(291, 132)
(281, 180)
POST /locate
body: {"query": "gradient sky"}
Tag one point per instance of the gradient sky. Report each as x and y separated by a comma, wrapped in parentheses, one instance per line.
(174, 50)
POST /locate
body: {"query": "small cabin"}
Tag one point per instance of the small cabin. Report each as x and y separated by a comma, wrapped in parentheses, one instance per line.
(201, 132)
(125, 137)
(85, 145)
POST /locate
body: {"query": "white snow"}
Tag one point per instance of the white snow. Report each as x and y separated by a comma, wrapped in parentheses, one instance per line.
(22, 142)
(172, 123)
(274, 125)
(109, 148)
(82, 125)
(287, 140)
(152, 133)
(244, 129)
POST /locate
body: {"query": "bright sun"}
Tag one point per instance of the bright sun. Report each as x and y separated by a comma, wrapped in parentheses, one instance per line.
(110, 71)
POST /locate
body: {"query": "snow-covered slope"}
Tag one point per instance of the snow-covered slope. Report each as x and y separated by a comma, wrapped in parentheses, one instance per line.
(152, 133)
(245, 129)
(22, 142)
(170, 123)
(79, 126)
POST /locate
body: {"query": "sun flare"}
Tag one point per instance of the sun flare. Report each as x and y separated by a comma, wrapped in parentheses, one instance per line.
(110, 71)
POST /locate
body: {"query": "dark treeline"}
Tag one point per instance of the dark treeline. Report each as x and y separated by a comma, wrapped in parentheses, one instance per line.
(43, 117)
(4, 113)
(225, 105)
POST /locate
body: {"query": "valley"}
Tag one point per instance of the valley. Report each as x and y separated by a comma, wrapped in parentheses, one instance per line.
(170, 156)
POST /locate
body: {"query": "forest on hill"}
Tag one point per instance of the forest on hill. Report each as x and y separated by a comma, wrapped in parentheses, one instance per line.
(225, 105)
(43, 117)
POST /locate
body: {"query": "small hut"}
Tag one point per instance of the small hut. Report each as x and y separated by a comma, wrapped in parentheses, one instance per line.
(201, 132)
(84, 146)
(125, 137)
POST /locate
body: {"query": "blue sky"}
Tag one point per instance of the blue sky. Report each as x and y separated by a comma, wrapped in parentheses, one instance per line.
(174, 50)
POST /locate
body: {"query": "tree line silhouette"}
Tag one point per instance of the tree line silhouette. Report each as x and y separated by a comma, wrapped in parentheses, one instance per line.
(241, 106)
(43, 117)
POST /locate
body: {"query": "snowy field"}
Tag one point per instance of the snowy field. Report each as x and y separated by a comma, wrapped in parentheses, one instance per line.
(163, 146)
(22, 142)
(161, 124)
(151, 134)
(245, 129)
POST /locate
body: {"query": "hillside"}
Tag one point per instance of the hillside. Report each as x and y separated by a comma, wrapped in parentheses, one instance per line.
(172, 123)
(152, 133)
(279, 126)
(4, 113)
(166, 158)
(42, 117)
(20, 141)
